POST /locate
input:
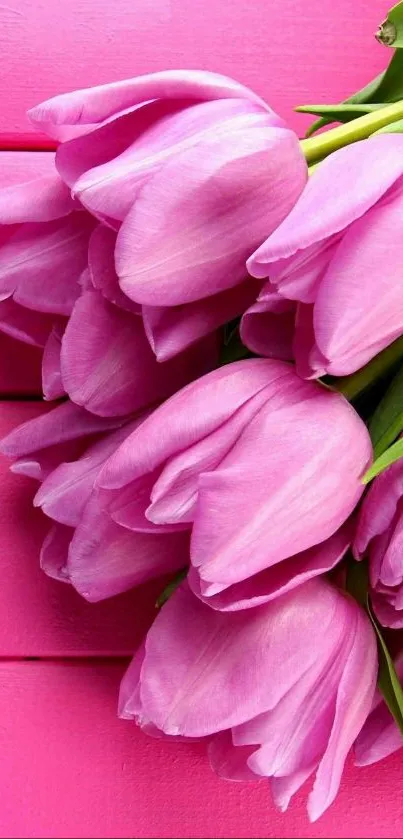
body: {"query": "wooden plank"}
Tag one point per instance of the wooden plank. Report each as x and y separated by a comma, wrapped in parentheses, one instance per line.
(42, 617)
(27, 141)
(291, 51)
(69, 768)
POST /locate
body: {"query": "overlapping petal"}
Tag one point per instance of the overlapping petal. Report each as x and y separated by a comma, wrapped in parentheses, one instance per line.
(205, 673)
(40, 264)
(176, 246)
(342, 188)
(108, 366)
(84, 109)
(31, 189)
(105, 559)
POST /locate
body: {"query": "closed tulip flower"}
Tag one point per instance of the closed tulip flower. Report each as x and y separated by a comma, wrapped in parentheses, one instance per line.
(262, 464)
(65, 449)
(380, 736)
(277, 698)
(333, 297)
(59, 290)
(44, 236)
(379, 537)
(192, 170)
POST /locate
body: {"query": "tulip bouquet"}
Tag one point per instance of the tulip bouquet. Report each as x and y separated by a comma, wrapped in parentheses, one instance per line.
(221, 314)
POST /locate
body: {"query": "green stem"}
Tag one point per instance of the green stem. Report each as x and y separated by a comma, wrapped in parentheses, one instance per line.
(315, 148)
(352, 386)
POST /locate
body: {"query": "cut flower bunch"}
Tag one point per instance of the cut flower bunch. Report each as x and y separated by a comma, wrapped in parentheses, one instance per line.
(220, 309)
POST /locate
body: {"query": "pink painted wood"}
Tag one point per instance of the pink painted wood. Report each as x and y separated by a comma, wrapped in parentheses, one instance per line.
(291, 52)
(39, 616)
(69, 768)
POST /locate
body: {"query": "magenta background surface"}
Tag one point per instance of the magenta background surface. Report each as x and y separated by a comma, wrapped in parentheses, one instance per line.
(68, 767)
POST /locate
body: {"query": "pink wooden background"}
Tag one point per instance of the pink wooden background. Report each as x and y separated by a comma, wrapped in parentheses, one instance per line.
(68, 767)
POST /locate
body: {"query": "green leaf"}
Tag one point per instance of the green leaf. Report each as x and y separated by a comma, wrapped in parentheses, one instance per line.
(387, 421)
(384, 88)
(168, 591)
(357, 581)
(233, 349)
(338, 113)
(388, 681)
(390, 86)
(392, 454)
(390, 32)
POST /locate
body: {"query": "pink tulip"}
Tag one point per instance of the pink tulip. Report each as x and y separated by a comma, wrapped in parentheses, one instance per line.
(193, 170)
(108, 367)
(43, 246)
(380, 736)
(65, 449)
(280, 699)
(379, 536)
(264, 465)
(333, 299)
(59, 290)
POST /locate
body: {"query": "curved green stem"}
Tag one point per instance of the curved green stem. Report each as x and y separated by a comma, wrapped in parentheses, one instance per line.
(315, 148)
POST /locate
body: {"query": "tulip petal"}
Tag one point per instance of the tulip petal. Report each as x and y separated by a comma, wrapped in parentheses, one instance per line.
(52, 384)
(379, 507)
(267, 327)
(65, 492)
(189, 416)
(108, 366)
(171, 329)
(129, 705)
(31, 189)
(298, 277)
(230, 762)
(309, 361)
(294, 735)
(123, 154)
(283, 789)
(289, 496)
(42, 263)
(380, 736)
(93, 105)
(54, 552)
(221, 675)
(66, 423)
(342, 189)
(368, 257)
(87, 153)
(354, 698)
(391, 569)
(101, 260)
(176, 246)
(105, 559)
(128, 506)
(24, 324)
(174, 494)
(280, 578)
(386, 609)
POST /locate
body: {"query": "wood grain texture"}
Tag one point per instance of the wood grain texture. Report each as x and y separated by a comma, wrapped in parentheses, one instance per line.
(291, 52)
(39, 616)
(70, 768)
